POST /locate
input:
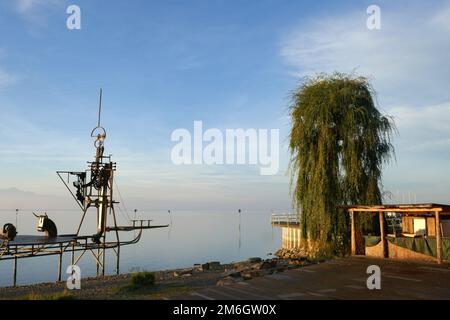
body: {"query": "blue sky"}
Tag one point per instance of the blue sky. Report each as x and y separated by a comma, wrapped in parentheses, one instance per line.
(231, 64)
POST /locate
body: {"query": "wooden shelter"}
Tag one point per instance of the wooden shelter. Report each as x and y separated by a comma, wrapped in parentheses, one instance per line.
(424, 226)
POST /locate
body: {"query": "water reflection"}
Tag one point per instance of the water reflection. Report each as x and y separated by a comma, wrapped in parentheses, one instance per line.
(193, 237)
(290, 229)
(290, 237)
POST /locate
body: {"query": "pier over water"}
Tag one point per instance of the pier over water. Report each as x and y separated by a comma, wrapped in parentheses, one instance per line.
(285, 220)
(290, 229)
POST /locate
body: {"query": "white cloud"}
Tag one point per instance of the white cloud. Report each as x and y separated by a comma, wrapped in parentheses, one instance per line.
(423, 129)
(6, 78)
(25, 6)
(442, 19)
(36, 12)
(435, 117)
(407, 59)
(24, 140)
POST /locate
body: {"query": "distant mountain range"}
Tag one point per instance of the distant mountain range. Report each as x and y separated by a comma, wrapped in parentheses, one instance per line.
(12, 198)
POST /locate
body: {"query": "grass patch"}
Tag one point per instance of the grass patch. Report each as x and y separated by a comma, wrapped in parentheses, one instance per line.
(64, 295)
(140, 281)
(167, 291)
(142, 284)
(156, 291)
(143, 279)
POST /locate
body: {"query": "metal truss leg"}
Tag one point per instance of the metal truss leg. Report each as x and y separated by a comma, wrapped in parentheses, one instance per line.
(15, 272)
(73, 254)
(118, 260)
(98, 263)
(60, 263)
(104, 255)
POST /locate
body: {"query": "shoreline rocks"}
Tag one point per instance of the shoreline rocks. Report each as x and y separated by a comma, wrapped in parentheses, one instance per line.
(294, 253)
(257, 267)
(199, 275)
(253, 267)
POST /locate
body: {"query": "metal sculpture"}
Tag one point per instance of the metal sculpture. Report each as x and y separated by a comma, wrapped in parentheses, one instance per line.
(92, 189)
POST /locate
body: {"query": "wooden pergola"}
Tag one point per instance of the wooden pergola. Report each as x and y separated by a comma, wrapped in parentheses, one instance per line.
(418, 210)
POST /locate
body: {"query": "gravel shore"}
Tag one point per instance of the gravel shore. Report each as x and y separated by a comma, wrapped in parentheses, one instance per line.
(168, 282)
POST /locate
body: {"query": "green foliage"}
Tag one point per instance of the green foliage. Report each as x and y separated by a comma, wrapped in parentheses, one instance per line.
(64, 295)
(338, 143)
(142, 279)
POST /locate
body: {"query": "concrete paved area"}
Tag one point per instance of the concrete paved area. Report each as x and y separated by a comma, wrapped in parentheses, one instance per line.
(338, 279)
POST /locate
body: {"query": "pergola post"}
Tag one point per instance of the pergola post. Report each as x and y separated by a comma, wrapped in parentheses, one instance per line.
(382, 234)
(353, 232)
(438, 238)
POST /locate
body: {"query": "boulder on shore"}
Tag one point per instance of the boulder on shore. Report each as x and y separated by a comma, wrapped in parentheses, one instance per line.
(183, 272)
(294, 253)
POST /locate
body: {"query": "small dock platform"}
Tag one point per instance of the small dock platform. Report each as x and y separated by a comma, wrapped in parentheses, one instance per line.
(285, 220)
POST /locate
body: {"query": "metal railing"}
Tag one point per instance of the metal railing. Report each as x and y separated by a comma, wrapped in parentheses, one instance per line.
(287, 218)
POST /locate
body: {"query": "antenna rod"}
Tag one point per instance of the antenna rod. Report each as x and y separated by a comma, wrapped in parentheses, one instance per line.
(99, 108)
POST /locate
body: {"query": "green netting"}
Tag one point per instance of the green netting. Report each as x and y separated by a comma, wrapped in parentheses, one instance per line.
(446, 249)
(423, 245)
(370, 241)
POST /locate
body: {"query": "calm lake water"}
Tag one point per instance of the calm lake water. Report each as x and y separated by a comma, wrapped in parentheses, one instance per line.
(194, 237)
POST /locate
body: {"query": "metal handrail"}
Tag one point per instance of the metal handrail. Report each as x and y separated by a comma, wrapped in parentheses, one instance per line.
(285, 218)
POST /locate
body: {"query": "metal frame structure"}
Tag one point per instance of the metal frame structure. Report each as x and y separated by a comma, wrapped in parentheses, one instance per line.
(94, 190)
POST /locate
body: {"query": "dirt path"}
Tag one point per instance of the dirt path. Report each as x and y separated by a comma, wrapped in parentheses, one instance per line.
(337, 279)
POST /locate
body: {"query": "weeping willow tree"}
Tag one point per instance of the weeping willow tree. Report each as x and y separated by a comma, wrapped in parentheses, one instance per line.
(339, 142)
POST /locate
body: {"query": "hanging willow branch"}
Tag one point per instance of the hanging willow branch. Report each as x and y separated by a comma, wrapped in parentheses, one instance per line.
(338, 143)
